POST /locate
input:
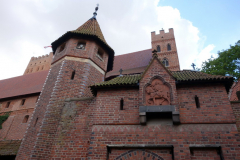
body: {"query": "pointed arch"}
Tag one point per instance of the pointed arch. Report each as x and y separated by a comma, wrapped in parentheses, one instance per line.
(139, 154)
(169, 47)
(165, 62)
(158, 48)
(25, 119)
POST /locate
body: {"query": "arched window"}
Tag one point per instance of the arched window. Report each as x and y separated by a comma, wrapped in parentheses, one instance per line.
(169, 47)
(165, 62)
(25, 119)
(158, 49)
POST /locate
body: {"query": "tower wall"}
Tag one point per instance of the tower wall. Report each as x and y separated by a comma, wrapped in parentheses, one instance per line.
(162, 40)
(40, 63)
(60, 85)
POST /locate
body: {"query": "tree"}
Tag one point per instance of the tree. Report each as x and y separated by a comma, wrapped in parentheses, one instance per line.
(227, 63)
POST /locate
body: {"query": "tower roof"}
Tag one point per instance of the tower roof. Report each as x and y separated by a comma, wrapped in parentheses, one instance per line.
(89, 30)
(91, 27)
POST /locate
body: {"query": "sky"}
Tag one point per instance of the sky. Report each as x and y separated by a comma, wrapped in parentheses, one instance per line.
(201, 28)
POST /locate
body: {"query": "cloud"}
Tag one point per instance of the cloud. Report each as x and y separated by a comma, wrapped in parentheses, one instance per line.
(30, 25)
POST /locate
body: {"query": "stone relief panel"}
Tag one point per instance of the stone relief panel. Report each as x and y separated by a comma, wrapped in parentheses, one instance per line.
(157, 93)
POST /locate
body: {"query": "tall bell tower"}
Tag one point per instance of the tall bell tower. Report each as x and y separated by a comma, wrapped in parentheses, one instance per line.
(165, 45)
(81, 58)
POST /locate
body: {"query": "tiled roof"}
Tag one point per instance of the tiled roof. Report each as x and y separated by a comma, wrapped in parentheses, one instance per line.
(89, 29)
(121, 80)
(131, 62)
(188, 75)
(127, 80)
(181, 76)
(9, 147)
(22, 85)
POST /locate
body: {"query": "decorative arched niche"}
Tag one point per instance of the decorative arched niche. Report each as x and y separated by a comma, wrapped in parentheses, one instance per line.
(157, 92)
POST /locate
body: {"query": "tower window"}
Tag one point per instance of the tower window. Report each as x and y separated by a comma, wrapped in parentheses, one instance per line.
(23, 102)
(25, 119)
(62, 47)
(100, 54)
(121, 104)
(165, 62)
(8, 104)
(169, 47)
(73, 75)
(37, 68)
(42, 67)
(197, 101)
(81, 45)
(158, 49)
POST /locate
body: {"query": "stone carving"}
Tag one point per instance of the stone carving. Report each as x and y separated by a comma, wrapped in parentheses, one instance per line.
(157, 93)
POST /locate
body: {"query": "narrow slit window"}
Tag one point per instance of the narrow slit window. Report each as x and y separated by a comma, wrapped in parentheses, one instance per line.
(36, 122)
(169, 47)
(23, 102)
(8, 104)
(73, 75)
(121, 104)
(158, 49)
(25, 119)
(197, 101)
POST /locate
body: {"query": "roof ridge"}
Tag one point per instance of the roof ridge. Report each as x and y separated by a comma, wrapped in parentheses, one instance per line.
(133, 52)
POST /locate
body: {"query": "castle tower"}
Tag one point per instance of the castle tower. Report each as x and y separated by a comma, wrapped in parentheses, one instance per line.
(81, 58)
(165, 45)
(37, 64)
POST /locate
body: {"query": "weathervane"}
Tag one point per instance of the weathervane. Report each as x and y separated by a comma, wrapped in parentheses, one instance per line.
(95, 13)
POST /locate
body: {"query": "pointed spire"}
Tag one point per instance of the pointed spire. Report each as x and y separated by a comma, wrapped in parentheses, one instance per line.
(95, 13)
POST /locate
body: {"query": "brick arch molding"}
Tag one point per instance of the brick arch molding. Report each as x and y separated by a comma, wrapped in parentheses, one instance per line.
(139, 154)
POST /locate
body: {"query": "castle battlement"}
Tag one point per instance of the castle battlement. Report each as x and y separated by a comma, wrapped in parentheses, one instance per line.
(162, 35)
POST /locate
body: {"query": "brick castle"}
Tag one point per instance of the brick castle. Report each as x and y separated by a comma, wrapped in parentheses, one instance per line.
(81, 102)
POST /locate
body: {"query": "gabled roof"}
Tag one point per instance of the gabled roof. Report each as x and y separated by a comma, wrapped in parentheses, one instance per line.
(22, 85)
(89, 29)
(185, 76)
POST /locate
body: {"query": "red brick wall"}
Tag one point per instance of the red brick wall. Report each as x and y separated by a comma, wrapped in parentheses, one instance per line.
(59, 86)
(180, 137)
(13, 127)
(31, 134)
(236, 111)
(89, 52)
(214, 104)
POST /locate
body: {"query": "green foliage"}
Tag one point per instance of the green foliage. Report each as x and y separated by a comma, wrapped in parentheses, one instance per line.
(3, 118)
(227, 63)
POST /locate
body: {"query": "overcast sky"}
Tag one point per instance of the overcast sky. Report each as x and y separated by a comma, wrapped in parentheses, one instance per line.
(201, 27)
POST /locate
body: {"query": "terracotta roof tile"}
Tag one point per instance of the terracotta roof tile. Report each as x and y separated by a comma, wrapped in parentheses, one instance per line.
(9, 147)
(131, 61)
(189, 75)
(91, 27)
(181, 76)
(22, 85)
